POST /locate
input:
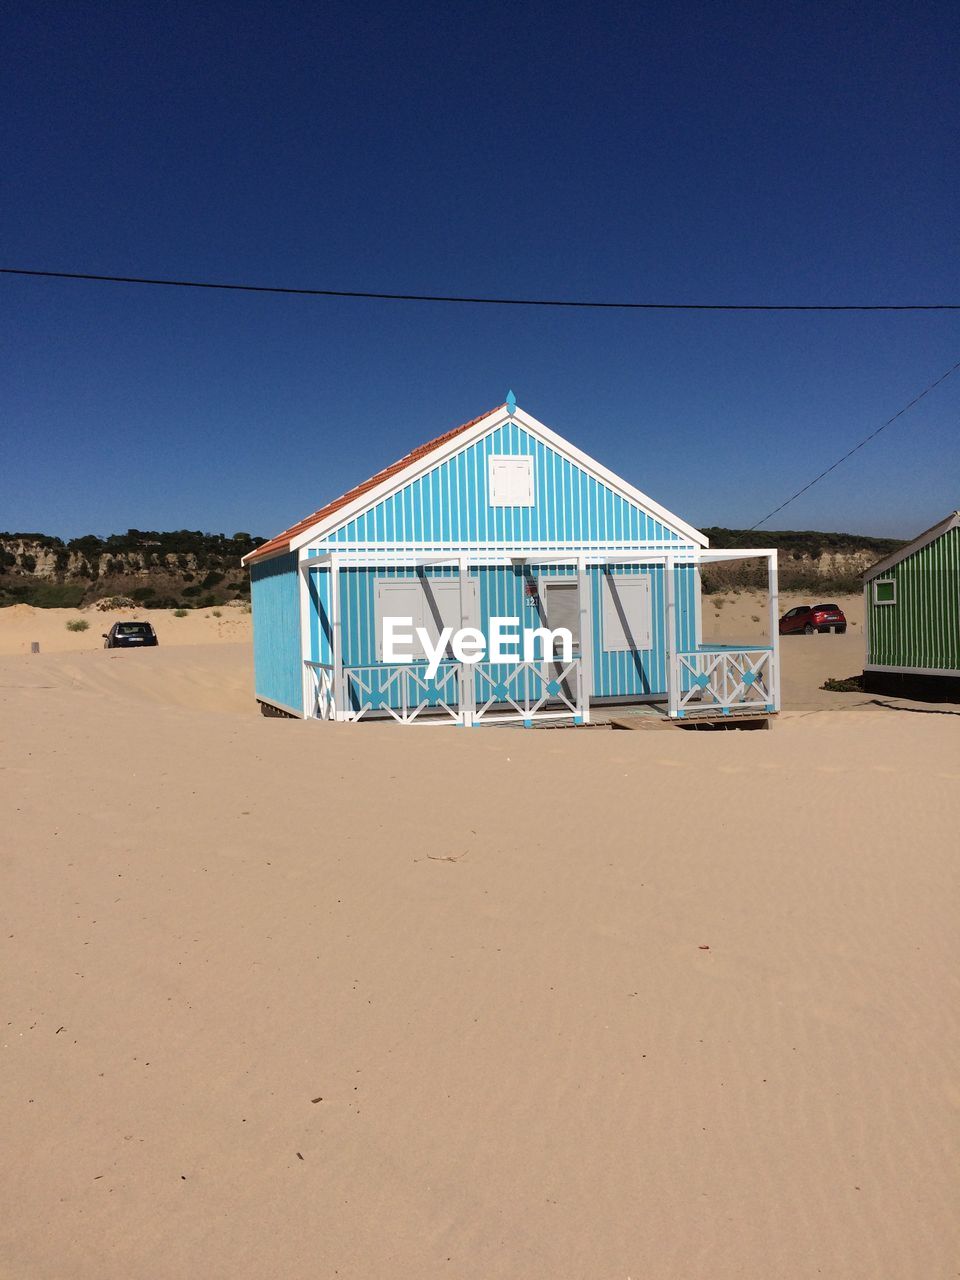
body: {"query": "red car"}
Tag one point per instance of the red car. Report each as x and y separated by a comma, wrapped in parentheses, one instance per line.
(811, 618)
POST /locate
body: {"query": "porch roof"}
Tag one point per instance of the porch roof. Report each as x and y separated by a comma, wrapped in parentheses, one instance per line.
(412, 557)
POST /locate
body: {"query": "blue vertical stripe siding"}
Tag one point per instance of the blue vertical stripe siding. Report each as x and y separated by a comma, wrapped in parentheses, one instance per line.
(451, 504)
(502, 594)
(275, 600)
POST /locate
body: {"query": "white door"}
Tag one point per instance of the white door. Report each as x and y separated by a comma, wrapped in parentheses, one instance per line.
(561, 604)
(398, 598)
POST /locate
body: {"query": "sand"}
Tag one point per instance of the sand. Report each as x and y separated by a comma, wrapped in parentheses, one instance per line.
(304, 1000)
(21, 624)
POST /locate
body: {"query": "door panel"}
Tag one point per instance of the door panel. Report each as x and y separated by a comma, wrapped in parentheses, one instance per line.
(441, 606)
(561, 604)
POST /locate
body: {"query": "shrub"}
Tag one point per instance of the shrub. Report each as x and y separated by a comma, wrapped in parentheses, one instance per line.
(191, 591)
(218, 613)
(78, 624)
(213, 578)
(852, 684)
(107, 603)
(179, 613)
(142, 593)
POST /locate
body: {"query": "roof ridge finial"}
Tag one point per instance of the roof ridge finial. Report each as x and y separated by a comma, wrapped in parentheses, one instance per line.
(511, 402)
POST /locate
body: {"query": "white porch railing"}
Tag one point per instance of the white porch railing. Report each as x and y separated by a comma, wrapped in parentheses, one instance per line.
(404, 692)
(724, 678)
(458, 693)
(529, 691)
(321, 699)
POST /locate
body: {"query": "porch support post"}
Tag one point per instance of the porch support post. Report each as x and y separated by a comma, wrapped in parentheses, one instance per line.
(586, 638)
(466, 670)
(670, 636)
(306, 679)
(698, 604)
(339, 692)
(773, 584)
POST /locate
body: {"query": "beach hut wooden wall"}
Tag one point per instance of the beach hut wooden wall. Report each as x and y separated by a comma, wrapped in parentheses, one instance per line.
(912, 611)
(501, 517)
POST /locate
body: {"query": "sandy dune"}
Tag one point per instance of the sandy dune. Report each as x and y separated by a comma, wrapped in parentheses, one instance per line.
(301, 1000)
(20, 624)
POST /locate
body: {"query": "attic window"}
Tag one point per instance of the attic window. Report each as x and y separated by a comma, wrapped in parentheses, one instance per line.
(884, 591)
(510, 482)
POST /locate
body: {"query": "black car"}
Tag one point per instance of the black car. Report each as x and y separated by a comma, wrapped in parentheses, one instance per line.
(129, 635)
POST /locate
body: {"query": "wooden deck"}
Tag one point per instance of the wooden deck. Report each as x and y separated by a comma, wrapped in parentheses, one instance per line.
(652, 717)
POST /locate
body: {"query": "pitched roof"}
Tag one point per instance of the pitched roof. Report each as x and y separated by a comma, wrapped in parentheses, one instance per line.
(951, 521)
(282, 541)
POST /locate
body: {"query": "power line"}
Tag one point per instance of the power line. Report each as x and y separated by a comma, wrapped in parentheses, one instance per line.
(487, 302)
(866, 440)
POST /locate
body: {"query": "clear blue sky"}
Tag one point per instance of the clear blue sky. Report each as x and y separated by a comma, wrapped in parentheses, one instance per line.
(702, 153)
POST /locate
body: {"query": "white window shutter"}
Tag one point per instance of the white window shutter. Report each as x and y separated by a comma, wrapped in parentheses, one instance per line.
(510, 481)
(627, 614)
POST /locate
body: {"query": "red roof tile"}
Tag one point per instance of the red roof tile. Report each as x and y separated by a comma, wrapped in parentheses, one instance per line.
(282, 541)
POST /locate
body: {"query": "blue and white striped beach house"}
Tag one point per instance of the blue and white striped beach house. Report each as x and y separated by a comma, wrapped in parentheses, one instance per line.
(498, 519)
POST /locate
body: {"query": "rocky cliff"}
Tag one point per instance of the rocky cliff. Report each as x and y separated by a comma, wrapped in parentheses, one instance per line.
(155, 569)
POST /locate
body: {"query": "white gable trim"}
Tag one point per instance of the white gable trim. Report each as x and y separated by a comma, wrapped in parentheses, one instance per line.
(924, 540)
(273, 555)
(343, 516)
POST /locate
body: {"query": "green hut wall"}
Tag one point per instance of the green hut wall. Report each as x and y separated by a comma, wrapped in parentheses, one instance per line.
(918, 631)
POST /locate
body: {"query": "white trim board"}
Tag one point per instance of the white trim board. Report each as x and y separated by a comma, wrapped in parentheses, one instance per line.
(950, 672)
(497, 418)
(598, 554)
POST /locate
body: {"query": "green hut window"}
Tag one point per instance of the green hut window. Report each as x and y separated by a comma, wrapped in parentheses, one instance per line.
(885, 591)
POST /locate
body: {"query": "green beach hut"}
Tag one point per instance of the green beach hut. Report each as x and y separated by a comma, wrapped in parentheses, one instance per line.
(912, 615)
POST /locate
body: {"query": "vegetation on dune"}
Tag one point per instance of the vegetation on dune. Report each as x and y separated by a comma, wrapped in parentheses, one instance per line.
(852, 684)
(44, 595)
(78, 624)
(798, 543)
